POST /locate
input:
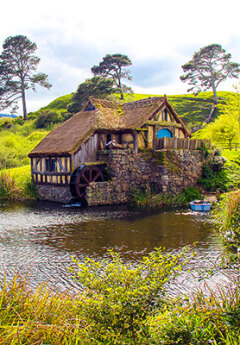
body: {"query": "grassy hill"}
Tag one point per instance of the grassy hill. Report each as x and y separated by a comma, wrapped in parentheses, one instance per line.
(193, 110)
(18, 138)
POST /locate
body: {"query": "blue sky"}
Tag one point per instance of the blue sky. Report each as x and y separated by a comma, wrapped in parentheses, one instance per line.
(158, 36)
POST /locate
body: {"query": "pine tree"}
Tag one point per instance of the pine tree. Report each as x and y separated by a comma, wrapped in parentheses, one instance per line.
(17, 72)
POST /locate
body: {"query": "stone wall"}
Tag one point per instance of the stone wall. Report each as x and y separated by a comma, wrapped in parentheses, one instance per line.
(54, 193)
(167, 171)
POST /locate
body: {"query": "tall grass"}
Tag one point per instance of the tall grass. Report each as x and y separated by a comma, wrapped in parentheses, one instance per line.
(16, 184)
(38, 317)
(44, 317)
(149, 198)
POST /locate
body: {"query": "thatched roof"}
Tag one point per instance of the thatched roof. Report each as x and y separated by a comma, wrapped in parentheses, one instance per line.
(100, 114)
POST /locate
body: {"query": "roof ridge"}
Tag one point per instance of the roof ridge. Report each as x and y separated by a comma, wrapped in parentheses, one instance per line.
(145, 101)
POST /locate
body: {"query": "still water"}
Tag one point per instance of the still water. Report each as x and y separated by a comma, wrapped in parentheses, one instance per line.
(41, 238)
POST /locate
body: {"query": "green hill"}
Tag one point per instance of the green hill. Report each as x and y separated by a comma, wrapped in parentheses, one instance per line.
(194, 110)
(18, 138)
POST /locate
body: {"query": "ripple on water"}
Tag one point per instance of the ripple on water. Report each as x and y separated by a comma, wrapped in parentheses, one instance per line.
(41, 239)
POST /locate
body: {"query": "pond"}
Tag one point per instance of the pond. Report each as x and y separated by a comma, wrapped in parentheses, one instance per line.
(40, 238)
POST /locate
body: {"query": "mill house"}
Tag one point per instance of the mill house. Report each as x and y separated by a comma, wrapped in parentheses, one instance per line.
(67, 161)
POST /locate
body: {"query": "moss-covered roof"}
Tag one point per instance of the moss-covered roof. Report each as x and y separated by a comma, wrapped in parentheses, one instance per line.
(100, 114)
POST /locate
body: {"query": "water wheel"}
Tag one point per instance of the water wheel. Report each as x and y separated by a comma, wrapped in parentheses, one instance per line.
(82, 177)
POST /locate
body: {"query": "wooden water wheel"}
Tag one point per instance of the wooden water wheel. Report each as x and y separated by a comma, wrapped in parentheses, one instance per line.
(83, 177)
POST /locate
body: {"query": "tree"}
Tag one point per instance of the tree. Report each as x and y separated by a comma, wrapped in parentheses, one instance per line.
(96, 86)
(208, 68)
(17, 67)
(113, 66)
(225, 130)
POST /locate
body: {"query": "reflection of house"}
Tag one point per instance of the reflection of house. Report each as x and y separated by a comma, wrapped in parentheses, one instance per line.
(68, 155)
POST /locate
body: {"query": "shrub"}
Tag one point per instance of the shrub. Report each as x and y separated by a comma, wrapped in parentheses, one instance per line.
(48, 118)
(227, 215)
(204, 320)
(117, 297)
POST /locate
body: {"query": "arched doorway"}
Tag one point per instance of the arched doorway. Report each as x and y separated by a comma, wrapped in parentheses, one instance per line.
(164, 133)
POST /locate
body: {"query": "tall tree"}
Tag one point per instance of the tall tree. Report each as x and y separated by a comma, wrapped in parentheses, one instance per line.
(114, 67)
(96, 86)
(209, 67)
(17, 67)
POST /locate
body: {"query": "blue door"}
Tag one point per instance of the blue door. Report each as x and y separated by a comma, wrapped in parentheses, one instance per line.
(164, 133)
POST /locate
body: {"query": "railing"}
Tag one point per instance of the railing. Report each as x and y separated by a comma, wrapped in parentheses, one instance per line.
(181, 143)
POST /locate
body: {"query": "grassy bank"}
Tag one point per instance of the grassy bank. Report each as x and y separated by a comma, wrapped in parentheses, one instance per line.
(149, 198)
(16, 184)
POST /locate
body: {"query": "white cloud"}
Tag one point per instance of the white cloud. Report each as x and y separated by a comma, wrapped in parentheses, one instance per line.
(73, 36)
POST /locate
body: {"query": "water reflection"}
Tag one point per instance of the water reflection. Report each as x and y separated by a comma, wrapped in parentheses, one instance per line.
(42, 237)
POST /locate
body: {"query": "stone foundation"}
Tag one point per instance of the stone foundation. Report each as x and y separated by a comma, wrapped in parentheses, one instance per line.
(54, 193)
(166, 171)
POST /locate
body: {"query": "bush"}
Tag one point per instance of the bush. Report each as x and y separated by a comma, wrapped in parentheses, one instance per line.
(46, 119)
(227, 215)
(211, 320)
(117, 297)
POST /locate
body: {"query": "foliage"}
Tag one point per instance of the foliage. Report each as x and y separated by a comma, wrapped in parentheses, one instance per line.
(151, 199)
(227, 216)
(113, 67)
(225, 130)
(47, 118)
(204, 320)
(38, 317)
(232, 166)
(117, 297)
(102, 314)
(16, 184)
(5, 123)
(214, 175)
(15, 147)
(8, 188)
(96, 86)
(209, 67)
(17, 68)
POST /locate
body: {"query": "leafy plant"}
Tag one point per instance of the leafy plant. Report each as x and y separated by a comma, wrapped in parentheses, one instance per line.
(117, 297)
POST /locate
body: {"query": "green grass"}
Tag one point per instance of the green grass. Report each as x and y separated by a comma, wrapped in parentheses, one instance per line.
(16, 184)
(194, 110)
(101, 314)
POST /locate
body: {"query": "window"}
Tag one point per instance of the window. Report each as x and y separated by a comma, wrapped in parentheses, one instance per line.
(90, 107)
(109, 138)
(51, 164)
(165, 115)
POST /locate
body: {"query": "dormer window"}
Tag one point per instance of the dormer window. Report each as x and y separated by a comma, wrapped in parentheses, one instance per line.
(89, 107)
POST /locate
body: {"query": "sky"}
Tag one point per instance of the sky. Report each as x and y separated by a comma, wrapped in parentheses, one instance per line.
(158, 36)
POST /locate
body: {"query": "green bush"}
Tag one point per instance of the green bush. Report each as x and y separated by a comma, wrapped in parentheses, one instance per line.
(213, 320)
(118, 297)
(47, 118)
(227, 216)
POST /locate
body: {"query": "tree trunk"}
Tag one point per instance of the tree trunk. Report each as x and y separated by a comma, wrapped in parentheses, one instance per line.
(120, 86)
(24, 104)
(211, 113)
(214, 94)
